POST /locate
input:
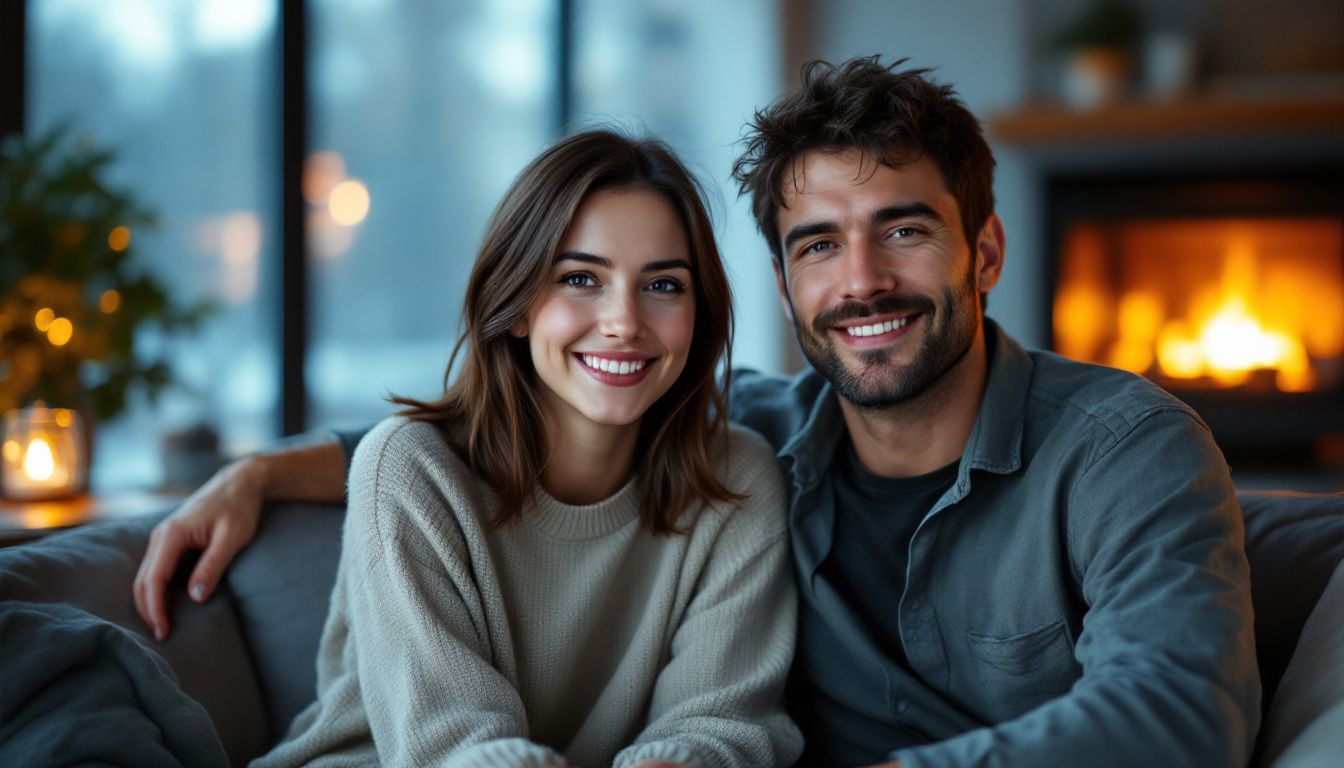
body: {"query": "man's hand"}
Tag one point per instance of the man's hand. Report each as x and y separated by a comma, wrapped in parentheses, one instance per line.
(892, 764)
(220, 518)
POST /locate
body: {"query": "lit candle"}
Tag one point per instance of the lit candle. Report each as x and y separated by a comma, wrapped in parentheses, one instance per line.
(43, 454)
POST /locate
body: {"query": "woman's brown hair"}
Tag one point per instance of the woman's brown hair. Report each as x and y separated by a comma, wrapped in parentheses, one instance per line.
(496, 395)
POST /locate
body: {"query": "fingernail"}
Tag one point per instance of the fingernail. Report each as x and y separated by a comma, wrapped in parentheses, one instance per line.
(158, 634)
(198, 592)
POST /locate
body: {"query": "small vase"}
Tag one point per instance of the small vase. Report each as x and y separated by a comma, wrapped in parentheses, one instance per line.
(1094, 77)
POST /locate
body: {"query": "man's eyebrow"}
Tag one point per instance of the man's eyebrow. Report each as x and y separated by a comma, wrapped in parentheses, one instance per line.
(807, 230)
(602, 261)
(909, 210)
(891, 212)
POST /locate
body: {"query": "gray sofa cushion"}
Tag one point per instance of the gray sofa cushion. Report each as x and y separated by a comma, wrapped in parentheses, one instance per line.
(92, 568)
(281, 586)
(1294, 543)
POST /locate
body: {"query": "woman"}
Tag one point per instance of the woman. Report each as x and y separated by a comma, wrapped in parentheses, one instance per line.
(569, 558)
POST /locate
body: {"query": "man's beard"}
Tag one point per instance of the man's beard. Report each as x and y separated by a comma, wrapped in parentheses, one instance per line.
(879, 383)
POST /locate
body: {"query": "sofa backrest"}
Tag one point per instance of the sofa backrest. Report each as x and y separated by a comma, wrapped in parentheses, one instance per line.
(281, 586)
(1294, 542)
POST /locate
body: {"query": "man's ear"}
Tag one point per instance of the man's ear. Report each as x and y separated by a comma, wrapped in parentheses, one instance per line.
(989, 255)
(783, 290)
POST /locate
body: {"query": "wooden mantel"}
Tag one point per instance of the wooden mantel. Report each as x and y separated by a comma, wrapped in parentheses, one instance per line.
(1140, 120)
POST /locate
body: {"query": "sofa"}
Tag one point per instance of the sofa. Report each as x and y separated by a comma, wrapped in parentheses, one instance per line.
(237, 668)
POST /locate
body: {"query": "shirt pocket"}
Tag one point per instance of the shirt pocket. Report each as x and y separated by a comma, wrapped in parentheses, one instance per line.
(1017, 673)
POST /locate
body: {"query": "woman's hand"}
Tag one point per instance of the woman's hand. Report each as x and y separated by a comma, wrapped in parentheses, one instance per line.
(220, 518)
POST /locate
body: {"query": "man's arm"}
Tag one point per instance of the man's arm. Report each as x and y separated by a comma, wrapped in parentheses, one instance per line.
(1167, 649)
(221, 517)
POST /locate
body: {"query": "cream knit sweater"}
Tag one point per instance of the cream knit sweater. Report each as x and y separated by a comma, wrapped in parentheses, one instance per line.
(572, 637)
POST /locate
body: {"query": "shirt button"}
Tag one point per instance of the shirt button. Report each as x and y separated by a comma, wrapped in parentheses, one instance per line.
(901, 707)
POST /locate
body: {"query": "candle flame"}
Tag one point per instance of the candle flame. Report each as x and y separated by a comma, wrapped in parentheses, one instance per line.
(38, 462)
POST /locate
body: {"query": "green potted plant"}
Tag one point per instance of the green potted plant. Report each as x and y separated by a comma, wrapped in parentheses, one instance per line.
(1097, 48)
(72, 293)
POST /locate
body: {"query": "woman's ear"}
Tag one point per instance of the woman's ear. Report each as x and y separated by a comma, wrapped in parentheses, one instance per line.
(519, 330)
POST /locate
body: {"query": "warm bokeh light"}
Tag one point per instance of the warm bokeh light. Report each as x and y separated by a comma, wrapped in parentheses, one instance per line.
(1212, 304)
(321, 173)
(109, 301)
(38, 462)
(43, 319)
(119, 239)
(60, 331)
(348, 203)
(12, 450)
(64, 417)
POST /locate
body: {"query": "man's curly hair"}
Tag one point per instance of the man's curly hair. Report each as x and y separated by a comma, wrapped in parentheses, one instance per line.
(891, 116)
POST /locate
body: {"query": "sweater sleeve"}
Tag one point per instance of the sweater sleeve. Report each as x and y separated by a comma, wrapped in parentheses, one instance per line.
(719, 699)
(424, 661)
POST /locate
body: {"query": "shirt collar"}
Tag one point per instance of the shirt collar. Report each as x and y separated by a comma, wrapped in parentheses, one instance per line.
(995, 444)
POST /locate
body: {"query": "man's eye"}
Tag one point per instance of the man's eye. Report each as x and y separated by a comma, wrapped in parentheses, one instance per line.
(578, 280)
(667, 285)
(817, 247)
(901, 233)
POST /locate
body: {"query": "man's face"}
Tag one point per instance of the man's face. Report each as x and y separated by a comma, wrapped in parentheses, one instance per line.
(878, 277)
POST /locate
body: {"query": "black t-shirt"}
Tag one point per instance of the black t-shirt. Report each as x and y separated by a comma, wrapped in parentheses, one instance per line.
(875, 519)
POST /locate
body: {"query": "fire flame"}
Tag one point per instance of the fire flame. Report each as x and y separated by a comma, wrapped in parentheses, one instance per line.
(1272, 317)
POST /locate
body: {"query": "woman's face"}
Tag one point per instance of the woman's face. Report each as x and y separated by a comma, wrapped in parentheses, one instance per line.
(612, 330)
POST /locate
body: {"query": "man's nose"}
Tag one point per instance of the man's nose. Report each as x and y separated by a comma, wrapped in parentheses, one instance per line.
(620, 317)
(866, 273)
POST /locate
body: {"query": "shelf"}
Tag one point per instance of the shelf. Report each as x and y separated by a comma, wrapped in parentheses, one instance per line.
(23, 521)
(1203, 118)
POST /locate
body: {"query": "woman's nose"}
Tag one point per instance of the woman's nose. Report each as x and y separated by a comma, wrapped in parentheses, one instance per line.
(620, 317)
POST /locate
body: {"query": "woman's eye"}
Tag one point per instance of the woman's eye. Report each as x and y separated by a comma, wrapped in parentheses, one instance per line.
(667, 285)
(578, 280)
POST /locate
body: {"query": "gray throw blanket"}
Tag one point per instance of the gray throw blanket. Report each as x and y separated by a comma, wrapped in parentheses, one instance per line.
(78, 690)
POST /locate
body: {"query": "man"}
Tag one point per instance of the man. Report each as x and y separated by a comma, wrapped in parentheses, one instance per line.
(1004, 557)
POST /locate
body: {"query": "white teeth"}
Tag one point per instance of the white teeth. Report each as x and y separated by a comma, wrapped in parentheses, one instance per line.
(877, 328)
(618, 367)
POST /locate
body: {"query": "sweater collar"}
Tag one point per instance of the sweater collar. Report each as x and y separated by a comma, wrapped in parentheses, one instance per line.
(583, 521)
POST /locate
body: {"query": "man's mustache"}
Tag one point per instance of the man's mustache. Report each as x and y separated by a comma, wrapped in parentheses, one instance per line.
(902, 303)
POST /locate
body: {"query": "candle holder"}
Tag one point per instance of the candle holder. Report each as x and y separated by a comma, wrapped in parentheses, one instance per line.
(44, 456)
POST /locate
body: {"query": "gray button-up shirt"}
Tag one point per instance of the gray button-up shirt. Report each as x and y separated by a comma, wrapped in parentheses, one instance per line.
(1079, 596)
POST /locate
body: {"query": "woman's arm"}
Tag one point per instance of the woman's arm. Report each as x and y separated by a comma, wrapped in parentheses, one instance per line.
(719, 699)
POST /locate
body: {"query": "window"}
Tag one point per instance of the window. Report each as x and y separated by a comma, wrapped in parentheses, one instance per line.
(420, 114)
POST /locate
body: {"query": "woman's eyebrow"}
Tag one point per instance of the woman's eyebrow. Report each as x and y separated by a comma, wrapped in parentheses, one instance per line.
(602, 261)
(586, 258)
(654, 266)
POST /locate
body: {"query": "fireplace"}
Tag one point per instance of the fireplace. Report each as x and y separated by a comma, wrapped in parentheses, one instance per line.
(1227, 290)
